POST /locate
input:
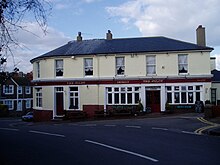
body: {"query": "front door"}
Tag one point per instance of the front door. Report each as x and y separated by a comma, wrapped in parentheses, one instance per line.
(153, 100)
(59, 101)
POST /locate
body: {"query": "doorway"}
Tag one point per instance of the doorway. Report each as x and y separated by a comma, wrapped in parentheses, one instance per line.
(153, 100)
(59, 109)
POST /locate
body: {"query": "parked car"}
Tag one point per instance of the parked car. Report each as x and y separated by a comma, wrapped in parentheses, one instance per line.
(28, 117)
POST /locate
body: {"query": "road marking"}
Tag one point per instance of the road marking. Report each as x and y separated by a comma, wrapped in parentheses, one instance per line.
(89, 125)
(122, 150)
(110, 125)
(187, 132)
(200, 130)
(9, 129)
(46, 133)
(164, 129)
(205, 121)
(211, 125)
(133, 126)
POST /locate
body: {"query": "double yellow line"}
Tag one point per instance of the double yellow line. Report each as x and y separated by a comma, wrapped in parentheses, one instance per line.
(210, 125)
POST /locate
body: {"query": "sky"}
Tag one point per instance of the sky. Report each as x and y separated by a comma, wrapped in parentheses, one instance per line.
(125, 18)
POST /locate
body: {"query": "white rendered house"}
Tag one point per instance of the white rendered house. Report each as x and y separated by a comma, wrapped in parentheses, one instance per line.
(90, 75)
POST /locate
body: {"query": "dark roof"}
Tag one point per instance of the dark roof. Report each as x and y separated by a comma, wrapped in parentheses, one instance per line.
(216, 75)
(126, 45)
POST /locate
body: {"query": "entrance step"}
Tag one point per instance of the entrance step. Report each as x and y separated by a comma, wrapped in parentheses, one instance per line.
(58, 118)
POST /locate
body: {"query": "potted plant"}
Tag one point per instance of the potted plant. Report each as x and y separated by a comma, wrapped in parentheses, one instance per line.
(168, 107)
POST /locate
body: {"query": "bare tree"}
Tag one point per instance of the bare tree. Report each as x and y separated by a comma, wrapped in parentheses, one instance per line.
(12, 14)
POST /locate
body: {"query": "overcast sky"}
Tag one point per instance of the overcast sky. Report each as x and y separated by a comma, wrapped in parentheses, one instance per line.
(125, 18)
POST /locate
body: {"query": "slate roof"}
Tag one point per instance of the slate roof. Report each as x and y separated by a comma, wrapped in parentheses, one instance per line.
(216, 76)
(126, 45)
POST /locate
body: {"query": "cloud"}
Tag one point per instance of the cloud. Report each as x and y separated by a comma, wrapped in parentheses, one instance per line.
(32, 43)
(176, 19)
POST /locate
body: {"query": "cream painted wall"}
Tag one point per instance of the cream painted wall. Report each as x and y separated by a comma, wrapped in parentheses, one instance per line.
(167, 64)
(199, 63)
(104, 66)
(135, 65)
(73, 68)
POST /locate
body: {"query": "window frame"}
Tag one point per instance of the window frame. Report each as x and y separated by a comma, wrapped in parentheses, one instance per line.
(19, 90)
(8, 89)
(118, 66)
(151, 65)
(38, 97)
(38, 69)
(88, 67)
(59, 70)
(74, 97)
(28, 104)
(186, 95)
(123, 95)
(27, 90)
(11, 106)
(183, 64)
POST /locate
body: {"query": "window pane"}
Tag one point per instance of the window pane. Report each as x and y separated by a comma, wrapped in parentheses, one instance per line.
(169, 88)
(198, 87)
(176, 88)
(116, 98)
(169, 97)
(88, 66)
(177, 97)
(123, 98)
(129, 98)
(120, 66)
(136, 97)
(190, 88)
(183, 63)
(183, 97)
(59, 67)
(190, 97)
(109, 98)
(197, 96)
(151, 64)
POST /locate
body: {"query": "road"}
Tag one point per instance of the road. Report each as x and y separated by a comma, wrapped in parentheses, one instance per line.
(165, 140)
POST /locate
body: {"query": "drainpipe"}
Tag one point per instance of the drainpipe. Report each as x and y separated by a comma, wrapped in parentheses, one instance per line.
(16, 91)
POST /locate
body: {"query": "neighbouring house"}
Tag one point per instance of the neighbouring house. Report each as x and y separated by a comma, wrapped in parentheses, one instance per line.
(16, 92)
(98, 74)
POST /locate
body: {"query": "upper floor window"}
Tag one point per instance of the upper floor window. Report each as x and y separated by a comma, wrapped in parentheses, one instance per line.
(38, 96)
(38, 69)
(8, 89)
(88, 66)
(59, 68)
(28, 90)
(19, 89)
(120, 65)
(151, 64)
(183, 63)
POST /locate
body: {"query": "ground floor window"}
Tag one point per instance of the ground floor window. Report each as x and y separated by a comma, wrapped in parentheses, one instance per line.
(183, 94)
(10, 104)
(38, 96)
(123, 95)
(73, 98)
(19, 105)
(28, 104)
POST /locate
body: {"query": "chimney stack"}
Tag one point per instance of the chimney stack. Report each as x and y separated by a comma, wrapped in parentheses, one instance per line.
(109, 35)
(79, 37)
(200, 36)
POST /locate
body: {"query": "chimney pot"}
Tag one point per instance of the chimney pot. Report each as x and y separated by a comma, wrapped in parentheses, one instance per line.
(200, 36)
(109, 35)
(79, 37)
